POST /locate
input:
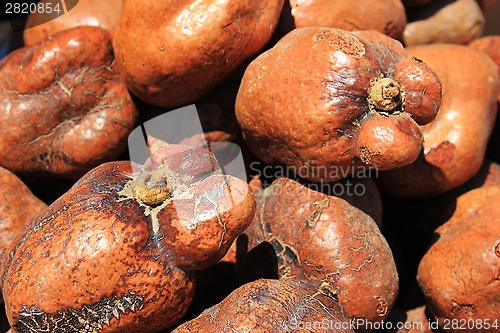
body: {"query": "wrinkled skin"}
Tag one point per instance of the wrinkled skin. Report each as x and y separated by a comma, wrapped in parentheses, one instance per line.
(386, 16)
(490, 45)
(17, 206)
(327, 242)
(123, 241)
(360, 192)
(455, 143)
(176, 52)
(268, 305)
(324, 100)
(459, 274)
(457, 22)
(70, 113)
(97, 13)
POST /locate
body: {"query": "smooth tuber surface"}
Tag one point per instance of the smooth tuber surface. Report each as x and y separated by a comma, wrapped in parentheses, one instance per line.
(64, 108)
(324, 100)
(106, 257)
(385, 16)
(490, 45)
(172, 53)
(444, 21)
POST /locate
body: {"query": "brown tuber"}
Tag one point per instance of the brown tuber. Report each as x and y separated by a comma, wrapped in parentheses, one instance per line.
(491, 46)
(324, 101)
(268, 305)
(116, 253)
(326, 241)
(385, 16)
(444, 21)
(177, 51)
(64, 108)
(459, 274)
(17, 206)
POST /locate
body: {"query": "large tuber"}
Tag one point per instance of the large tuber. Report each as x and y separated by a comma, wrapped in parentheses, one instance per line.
(323, 101)
(63, 106)
(171, 53)
(116, 253)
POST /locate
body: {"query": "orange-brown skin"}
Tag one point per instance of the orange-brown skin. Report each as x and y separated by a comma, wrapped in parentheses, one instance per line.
(172, 53)
(361, 193)
(455, 142)
(96, 13)
(276, 306)
(385, 16)
(64, 108)
(314, 102)
(327, 242)
(17, 206)
(459, 274)
(256, 185)
(490, 45)
(124, 244)
(360, 190)
(414, 221)
(457, 22)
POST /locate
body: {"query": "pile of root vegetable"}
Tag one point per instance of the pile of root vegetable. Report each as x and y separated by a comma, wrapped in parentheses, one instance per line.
(252, 166)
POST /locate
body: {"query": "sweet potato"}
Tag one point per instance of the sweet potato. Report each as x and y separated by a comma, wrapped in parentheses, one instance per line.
(444, 21)
(490, 45)
(17, 206)
(385, 16)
